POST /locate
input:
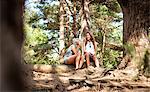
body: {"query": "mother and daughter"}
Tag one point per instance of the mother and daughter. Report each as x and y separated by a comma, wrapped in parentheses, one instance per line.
(74, 56)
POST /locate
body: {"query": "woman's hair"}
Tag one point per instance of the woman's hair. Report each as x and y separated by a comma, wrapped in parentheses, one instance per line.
(92, 39)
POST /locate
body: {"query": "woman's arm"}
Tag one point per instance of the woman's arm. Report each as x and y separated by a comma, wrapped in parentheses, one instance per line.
(95, 44)
(74, 50)
(84, 46)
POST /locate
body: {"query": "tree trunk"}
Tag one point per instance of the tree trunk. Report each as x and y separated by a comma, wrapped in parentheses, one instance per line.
(85, 17)
(104, 41)
(61, 40)
(103, 48)
(136, 17)
(67, 32)
(12, 73)
(74, 28)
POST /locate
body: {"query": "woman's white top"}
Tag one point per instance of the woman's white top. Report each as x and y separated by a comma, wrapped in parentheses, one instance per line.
(90, 47)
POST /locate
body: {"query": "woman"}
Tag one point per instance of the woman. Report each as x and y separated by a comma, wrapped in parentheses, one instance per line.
(73, 55)
(90, 49)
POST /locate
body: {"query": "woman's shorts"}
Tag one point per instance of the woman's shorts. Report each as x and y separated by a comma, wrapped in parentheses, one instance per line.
(91, 57)
(65, 59)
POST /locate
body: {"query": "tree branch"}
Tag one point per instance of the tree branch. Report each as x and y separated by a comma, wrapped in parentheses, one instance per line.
(69, 7)
(114, 47)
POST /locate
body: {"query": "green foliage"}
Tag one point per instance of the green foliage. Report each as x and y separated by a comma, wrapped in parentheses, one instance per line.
(39, 57)
(115, 37)
(146, 64)
(110, 60)
(113, 5)
(130, 49)
(37, 49)
(98, 37)
(35, 36)
(41, 43)
(106, 20)
(50, 13)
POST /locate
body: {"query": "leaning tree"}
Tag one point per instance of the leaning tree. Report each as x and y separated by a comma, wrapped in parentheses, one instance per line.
(136, 17)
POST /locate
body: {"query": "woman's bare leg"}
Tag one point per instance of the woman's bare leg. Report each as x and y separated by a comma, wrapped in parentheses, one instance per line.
(71, 59)
(81, 62)
(87, 59)
(96, 61)
(78, 60)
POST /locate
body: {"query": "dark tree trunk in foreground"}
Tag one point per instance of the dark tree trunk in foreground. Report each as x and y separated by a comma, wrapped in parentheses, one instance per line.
(11, 72)
(136, 17)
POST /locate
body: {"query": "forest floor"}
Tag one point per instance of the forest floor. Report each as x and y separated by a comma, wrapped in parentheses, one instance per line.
(90, 80)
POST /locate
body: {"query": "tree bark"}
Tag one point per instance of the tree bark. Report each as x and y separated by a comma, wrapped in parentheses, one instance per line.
(11, 25)
(85, 17)
(136, 17)
(74, 28)
(61, 40)
(67, 32)
(104, 41)
(114, 47)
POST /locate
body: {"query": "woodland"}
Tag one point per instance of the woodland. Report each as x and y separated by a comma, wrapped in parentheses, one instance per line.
(122, 32)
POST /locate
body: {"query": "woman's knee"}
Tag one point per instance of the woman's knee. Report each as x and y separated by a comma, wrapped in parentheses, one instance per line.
(94, 57)
(86, 54)
(79, 54)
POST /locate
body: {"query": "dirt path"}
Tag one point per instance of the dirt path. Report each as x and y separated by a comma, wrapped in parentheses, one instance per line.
(90, 80)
